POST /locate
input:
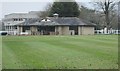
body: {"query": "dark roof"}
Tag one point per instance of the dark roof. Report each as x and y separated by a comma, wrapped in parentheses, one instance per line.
(58, 21)
(70, 21)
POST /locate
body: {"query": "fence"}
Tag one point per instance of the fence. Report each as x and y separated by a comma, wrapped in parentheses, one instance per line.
(107, 31)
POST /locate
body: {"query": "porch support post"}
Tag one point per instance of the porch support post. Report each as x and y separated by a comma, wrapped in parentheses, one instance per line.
(33, 30)
(20, 29)
(79, 30)
(65, 30)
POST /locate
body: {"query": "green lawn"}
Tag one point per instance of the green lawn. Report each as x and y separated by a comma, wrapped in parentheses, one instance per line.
(60, 52)
(0, 53)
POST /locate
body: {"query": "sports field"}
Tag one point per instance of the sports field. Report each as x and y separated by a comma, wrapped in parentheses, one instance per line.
(60, 52)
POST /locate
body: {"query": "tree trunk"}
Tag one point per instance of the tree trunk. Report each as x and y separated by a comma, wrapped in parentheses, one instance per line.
(107, 21)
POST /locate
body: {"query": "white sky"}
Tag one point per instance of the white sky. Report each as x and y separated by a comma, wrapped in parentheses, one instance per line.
(41, 0)
(24, 6)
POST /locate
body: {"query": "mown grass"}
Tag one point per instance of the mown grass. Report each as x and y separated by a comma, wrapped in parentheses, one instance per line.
(0, 53)
(60, 52)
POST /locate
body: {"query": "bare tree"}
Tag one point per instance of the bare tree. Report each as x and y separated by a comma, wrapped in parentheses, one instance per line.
(107, 6)
(45, 13)
(119, 15)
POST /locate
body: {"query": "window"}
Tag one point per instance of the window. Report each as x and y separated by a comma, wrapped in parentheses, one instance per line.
(9, 27)
(20, 19)
(15, 19)
(6, 27)
(15, 27)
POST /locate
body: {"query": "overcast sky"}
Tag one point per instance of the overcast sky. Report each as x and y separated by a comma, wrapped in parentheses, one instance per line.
(24, 6)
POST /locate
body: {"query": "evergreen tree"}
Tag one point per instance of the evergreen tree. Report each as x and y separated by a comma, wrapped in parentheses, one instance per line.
(65, 9)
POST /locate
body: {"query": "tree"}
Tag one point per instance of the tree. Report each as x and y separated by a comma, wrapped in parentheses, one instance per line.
(87, 14)
(91, 16)
(45, 13)
(1, 26)
(107, 6)
(119, 15)
(65, 9)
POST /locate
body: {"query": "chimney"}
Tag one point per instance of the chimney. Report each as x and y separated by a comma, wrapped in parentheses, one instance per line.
(56, 15)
